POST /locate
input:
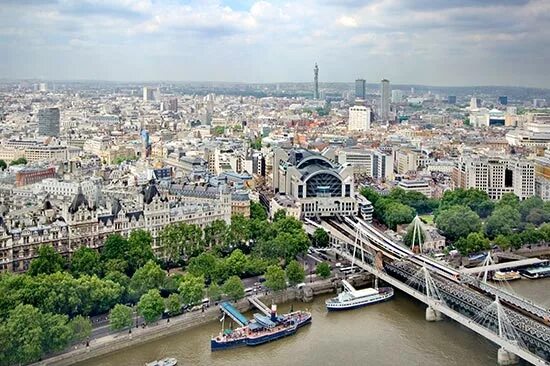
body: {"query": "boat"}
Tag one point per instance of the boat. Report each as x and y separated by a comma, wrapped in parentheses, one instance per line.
(261, 329)
(506, 276)
(168, 361)
(350, 298)
(536, 272)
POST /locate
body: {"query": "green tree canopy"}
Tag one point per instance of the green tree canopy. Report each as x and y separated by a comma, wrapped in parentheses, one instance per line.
(191, 289)
(295, 273)
(85, 261)
(509, 199)
(181, 239)
(504, 220)
(214, 292)
(20, 161)
(370, 194)
(173, 304)
(216, 233)
(24, 329)
(115, 248)
(477, 200)
(473, 243)
(57, 331)
(323, 270)
(81, 328)
(139, 249)
(275, 278)
(148, 277)
(205, 264)
(3, 164)
(151, 306)
(457, 222)
(257, 211)
(528, 205)
(320, 238)
(233, 287)
(396, 213)
(48, 261)
(120, 317)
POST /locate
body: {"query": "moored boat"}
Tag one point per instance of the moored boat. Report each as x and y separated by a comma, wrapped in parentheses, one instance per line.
(350, 298)
(168, 361)
(260, 330)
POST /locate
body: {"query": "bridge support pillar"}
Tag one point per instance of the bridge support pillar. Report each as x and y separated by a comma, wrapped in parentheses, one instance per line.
(506, 358)
(433, 315)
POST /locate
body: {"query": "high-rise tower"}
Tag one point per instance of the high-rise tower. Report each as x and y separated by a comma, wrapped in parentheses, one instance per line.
(316, 82)
(360, 89)
(48, 122)
(384, 99)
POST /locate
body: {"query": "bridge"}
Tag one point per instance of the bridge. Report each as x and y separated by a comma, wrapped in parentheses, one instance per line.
(518, 326)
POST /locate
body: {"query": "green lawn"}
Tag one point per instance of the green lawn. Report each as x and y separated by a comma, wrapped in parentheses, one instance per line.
(428, 219)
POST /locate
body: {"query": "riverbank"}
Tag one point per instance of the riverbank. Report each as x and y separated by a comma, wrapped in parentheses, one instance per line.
(116, 342)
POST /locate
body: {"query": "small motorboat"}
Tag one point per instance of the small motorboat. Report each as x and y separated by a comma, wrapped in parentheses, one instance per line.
(168, 361)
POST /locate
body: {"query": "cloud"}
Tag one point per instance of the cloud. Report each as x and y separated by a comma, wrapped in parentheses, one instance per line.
(236, 40)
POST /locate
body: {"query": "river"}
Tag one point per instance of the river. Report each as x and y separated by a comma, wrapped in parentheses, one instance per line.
(390, 333)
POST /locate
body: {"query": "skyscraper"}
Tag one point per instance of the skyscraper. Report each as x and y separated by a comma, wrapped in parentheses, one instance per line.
(316, 82)
(503, 100)
(148, 94)
(360, 89)
(451, 99)
(396, 96)
(385, 99)
(48, 122)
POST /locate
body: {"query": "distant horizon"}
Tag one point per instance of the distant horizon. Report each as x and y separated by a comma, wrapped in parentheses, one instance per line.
(146, 82)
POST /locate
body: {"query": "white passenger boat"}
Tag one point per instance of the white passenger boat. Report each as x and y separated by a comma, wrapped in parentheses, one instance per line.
(350, 298)
(506, 276)
(168, 361)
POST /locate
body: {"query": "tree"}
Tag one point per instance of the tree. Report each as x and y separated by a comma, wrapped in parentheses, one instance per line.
(215, 234)
(408, 238)
(537, 216)
(85, 261)
(233, 287)
(115, 248)
(214, 292)
(20, 161)
(151, 306)
(476, 199)
(120, 317)
(48, 261)
(320, 238)
(257, 211)
(323, 270)
(57, 332)
(528, 205)
(24, 327)
(205, 265)
(3, 164)
(279, 214)
(275, 278)
(504, 220)
(139, 249)
(148, 277)
(457, 221)
(473, 243)
(370, 194)
(181, 239)
(503, 242)
(173, 304)
(81, 328)
(295, 273)
(236, 263)
(191, 289)
(397, 213)
(508, 199)
(239, 231)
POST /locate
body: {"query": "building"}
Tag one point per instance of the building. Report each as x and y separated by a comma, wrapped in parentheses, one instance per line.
(33, 175)
(539, 103)
(316, 82)
(451, 99)
(148, 94)
(418, 185)
(360, 89)
(170, 104)
(534, 133)
(384, 100)
(503, 100)
(542, 177)
(371, 163)
(396, 96)
(311, 185)
(48, 122)
(475, 103)
(496, 176)
(359, 118)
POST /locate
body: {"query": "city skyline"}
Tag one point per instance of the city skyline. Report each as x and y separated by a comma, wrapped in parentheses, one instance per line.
(439, 43)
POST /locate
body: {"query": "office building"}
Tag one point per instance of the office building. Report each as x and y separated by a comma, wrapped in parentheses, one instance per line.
(451, 99)
(384, 100)
(396, 96)
(503, 100)
(360, 89)
(359, 118)
(542, 177)
(475, 103)
(316, 82)
(43, 87)
(148, 94)
(308, 184)
(48, 122)
(534, 133)
(370, 163)
(539, 103)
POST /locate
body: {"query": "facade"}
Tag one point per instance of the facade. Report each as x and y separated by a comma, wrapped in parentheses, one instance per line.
(33, 151)
(372, 163)
(48, 122)
(496, 176)
(360, 89)
(313, 184)
(451, 99)
(78, 223)
(359, 118)
(419, 185)
(33, 175)
(542, 177)
(535, 132)
(503, 100)
(384, 99)
(396, 96)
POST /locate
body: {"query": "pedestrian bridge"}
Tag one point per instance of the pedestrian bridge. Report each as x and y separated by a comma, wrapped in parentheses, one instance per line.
(515, 324)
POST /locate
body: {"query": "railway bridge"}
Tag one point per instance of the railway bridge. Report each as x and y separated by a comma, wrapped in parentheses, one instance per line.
(520, 327)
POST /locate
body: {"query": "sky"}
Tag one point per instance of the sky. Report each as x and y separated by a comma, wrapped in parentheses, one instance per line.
(430, 42)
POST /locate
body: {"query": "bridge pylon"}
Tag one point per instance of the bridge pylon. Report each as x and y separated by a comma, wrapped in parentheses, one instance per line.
(432, 296)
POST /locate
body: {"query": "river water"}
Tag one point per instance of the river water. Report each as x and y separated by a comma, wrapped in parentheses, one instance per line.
(391, 333)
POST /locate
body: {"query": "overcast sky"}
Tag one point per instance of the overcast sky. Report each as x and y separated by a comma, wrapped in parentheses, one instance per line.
(433, 42)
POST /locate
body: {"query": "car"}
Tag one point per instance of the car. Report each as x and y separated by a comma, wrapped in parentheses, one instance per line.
(338, 265)
(300, 285)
